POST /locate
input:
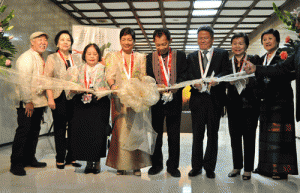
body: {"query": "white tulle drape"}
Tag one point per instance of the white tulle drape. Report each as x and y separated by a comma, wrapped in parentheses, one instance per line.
(140, 95)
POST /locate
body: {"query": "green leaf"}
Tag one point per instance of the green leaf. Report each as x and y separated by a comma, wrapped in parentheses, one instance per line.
(9, 28)
(2, 9)
(275, 7)
(287, 13)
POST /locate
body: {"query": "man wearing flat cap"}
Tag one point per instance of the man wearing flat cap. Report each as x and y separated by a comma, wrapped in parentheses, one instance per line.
(31, 106)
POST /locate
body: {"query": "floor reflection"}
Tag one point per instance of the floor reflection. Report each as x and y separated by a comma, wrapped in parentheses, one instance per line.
(50, 179)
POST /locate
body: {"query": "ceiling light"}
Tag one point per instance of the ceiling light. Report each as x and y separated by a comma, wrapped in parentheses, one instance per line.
(207, 4)
(193, 31)
(205, 12)
(192, 36)
(190, 47)
(141, 44)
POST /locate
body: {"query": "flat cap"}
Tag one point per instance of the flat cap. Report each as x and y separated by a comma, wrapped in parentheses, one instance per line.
(38, 34)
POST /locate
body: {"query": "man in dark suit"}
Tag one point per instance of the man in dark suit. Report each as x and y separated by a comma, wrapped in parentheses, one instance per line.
(167, 66)
(207, 100)
(292, 63)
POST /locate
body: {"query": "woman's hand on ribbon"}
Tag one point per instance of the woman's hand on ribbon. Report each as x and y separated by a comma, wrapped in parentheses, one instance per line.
(173, 90)
(213, 82)
(161, 86)
(114, 87)
(250, 68)
(198, 86)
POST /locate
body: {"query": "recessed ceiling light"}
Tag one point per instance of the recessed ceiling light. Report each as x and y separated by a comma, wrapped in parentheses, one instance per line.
(192, 31)
(205, 12)
(207, 4)
(191, 47)
(192, 36)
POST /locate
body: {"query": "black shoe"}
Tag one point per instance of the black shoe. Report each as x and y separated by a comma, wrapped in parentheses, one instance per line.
(174, 172)
(137, 172)
(96, 171)
(210, 174)
(76, 165)
(279, 176)
(97, 168)
(195, 172)
(121, 172)
(89, 168)
(17, 169)
(234, 173)
(256, 171)
(60, 166)
(155, 170)
(246, 177)
(34, 163)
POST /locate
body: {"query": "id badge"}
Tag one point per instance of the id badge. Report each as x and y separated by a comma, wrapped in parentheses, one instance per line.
(86, 98)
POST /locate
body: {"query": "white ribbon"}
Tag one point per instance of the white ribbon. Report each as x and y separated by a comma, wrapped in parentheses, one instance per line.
(16, 77)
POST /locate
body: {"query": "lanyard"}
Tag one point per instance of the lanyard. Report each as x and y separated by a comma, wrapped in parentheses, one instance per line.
(243, 65)
(204, 73)
(63, 58)
(129, 72)
(265, 60)
(165, 72)
(88, 78)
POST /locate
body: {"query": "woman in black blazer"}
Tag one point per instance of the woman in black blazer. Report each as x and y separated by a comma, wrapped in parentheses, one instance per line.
(243, 109)
(277, 146)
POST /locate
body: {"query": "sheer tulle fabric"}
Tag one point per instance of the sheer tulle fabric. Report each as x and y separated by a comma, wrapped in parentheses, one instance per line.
(43, 82)
(140, 95)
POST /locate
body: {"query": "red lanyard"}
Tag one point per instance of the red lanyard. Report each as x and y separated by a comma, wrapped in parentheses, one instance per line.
(62, 57)
(87, 84)
(126, 65)
(161, 63)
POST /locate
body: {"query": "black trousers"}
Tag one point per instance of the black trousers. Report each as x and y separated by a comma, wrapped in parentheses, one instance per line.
(61, 116)
(242, 123)
(26, 137)
(204, 111)
(173, 130)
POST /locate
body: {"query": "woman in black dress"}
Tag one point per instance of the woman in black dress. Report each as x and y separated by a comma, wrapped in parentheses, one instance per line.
(277, 146)
(56, 66)
(91, 114)
(243, 110)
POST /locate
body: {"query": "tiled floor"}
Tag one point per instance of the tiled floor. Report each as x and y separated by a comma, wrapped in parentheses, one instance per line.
(50, 179)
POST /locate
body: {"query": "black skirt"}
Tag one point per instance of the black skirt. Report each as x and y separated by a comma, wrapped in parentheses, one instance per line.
(277, 145)
(88, 126)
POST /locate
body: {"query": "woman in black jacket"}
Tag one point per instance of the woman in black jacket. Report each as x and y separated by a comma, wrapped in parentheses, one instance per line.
(243, 109)
(277, 146)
